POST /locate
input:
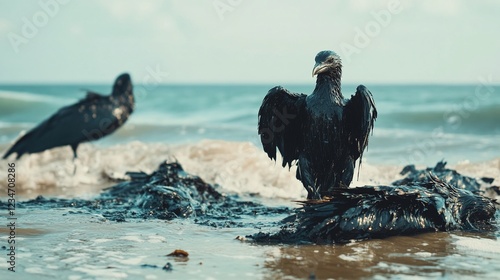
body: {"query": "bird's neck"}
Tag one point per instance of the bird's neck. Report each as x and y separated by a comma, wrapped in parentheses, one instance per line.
(328, 83)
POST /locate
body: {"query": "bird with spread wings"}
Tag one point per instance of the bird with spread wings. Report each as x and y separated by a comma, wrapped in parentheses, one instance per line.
(323, 133)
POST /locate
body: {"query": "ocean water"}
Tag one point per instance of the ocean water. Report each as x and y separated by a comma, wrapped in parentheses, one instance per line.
(418, 124)
(212, 131)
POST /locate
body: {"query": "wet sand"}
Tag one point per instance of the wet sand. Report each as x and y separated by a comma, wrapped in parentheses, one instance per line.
(65, 244)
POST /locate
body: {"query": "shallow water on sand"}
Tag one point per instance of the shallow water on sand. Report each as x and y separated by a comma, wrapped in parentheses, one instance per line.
(59, 243)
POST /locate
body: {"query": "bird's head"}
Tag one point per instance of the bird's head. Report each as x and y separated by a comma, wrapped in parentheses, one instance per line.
(123, 85)
(326, 61)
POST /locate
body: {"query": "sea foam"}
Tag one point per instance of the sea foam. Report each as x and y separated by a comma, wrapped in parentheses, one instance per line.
(237, 167)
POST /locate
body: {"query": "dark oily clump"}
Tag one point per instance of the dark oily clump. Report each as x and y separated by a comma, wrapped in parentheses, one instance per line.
(382, 211)
(450, 176)
(167, 193)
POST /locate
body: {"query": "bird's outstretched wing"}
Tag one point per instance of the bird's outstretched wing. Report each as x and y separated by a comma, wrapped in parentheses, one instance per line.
(89, 119)
(360, 114)
(280, 117)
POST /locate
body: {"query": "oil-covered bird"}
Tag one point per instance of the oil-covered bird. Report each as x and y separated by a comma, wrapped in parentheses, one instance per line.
(323, 132)
(92, 118)
(381, 211)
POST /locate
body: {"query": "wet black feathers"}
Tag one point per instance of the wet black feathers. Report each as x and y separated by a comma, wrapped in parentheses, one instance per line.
(287, 122)
(280, 119)
(360, 114)
(381, 211)
(92, 118)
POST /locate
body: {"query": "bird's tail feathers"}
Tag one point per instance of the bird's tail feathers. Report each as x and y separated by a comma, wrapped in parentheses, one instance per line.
(20, 146)
(13, 149)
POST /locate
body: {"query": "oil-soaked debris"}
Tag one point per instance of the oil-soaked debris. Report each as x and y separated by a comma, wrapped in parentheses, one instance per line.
(450, 176)
(382, 211)
(495, 189)
(167, 193)
(179, 254)
(241, 238)
(149, 266)
(168, 267)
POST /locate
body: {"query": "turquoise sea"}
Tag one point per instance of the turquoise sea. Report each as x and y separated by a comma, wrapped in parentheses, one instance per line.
(417, 123)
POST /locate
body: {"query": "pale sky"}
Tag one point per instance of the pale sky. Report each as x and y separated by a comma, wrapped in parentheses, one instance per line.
(248, 41)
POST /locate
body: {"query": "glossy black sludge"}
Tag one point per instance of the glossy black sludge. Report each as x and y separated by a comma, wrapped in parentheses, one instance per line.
(432, 199)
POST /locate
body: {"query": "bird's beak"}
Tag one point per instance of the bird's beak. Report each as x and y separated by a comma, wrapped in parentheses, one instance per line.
(319, 68)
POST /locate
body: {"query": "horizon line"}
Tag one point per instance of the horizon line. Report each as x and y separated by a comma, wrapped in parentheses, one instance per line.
(245, 84)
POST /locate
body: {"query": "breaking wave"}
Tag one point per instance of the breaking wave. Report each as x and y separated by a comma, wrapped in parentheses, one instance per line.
(236, 167)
